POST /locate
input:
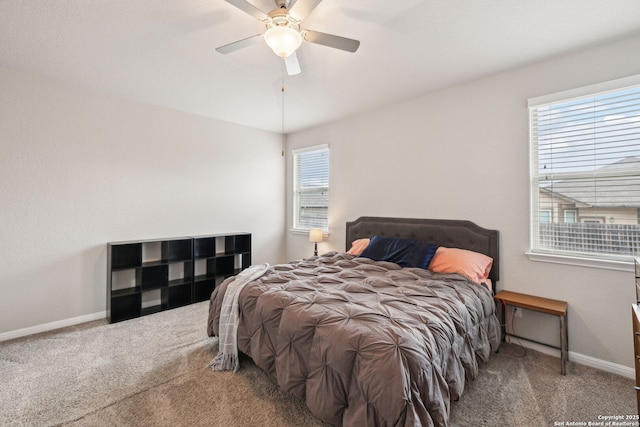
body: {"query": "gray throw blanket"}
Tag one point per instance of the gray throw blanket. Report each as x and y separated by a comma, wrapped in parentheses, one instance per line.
(227, 357)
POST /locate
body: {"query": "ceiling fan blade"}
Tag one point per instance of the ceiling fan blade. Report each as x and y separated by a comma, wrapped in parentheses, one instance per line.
(247, 7)
(302, 8)
(337, 42)
(292, 64)
(232, 47)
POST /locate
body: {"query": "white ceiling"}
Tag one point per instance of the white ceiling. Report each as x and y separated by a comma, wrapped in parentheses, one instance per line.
(163, 51)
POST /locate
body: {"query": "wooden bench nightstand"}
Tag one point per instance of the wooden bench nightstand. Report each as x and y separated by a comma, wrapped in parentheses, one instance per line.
(544, 305)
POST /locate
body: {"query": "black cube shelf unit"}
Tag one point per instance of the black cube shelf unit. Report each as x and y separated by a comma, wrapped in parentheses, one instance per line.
(147, 276)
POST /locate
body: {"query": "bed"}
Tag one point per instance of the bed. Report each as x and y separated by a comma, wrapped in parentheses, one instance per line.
(368, 341)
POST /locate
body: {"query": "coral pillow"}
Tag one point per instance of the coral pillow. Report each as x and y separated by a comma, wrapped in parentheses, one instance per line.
(474, 265)
(357, 246)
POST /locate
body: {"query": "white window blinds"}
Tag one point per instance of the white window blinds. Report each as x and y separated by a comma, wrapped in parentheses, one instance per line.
(311, 188)
(585, 169)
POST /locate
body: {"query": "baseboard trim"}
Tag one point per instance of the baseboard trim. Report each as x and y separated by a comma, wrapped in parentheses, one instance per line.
(603, 365)
(582, 359)
(51, 326)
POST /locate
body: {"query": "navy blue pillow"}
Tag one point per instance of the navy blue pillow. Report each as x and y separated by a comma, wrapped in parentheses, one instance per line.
(404, 252)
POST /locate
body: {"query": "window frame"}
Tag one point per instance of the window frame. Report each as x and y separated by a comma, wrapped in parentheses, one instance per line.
(297, 227)
(596, 260)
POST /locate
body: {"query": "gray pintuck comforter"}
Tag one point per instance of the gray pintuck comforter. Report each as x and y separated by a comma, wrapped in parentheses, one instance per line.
(365, 342)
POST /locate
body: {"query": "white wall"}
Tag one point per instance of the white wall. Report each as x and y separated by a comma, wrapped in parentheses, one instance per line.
(79, 169)
(462, 153)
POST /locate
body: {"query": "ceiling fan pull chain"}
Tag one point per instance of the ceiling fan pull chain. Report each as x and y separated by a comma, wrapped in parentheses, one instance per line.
(282, 91)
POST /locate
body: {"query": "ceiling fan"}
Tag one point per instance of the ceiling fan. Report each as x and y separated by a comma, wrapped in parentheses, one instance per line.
(283, 34)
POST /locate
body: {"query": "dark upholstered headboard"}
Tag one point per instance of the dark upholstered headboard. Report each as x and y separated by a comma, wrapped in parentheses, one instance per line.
(442, 232)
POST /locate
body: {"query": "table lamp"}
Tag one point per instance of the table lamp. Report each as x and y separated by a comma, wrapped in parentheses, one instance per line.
(315, 236)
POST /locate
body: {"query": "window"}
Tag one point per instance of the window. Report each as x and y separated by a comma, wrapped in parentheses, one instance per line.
(570, 215)
(311, 188)
(585, 171)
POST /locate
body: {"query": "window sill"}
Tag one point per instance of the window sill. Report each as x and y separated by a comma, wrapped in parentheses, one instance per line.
(622, 264)
(325, 234)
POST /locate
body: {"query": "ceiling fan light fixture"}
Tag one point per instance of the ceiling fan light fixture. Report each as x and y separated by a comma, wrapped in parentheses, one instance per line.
(283, 40)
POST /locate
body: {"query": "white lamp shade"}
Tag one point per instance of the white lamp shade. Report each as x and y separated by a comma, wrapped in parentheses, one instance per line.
(283, 40)
(315, 235)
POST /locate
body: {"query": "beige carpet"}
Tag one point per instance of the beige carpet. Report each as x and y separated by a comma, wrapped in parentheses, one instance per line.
(151, 372)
